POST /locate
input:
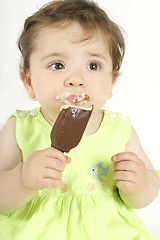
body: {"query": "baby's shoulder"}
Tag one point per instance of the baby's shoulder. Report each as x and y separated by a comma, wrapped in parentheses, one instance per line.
(116, 116)
(26, 114)
(10, 154)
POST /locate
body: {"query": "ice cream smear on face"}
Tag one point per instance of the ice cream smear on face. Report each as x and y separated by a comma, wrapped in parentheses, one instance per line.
(73, 98)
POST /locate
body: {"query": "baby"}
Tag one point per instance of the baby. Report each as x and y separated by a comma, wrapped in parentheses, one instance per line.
(72, 54)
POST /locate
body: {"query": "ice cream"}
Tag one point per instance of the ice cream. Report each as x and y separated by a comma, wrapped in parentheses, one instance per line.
(69, 127)
(73, 98)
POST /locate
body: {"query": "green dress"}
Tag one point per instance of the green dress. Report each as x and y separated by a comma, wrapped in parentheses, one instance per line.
(87, 206)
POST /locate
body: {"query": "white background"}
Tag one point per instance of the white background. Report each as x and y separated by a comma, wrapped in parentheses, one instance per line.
(137, 92)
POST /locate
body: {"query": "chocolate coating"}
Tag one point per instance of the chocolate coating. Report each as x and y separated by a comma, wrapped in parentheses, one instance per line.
(69, 128)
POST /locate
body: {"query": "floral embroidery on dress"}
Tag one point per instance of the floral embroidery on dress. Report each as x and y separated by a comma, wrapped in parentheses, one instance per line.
(64, 188)
(91, 187)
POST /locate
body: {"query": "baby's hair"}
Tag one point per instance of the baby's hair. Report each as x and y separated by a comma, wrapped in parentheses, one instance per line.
(59, 13)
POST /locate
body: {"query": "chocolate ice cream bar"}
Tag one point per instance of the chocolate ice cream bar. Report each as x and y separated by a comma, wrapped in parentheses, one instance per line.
(69, 127)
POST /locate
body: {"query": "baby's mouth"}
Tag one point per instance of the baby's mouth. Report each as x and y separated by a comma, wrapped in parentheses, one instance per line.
(73, 98)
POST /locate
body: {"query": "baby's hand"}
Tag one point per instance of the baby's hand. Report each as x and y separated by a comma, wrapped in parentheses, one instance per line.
(43, 169)
(129, 171)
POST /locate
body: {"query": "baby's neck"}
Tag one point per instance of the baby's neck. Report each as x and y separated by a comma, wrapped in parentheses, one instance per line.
(92, 126)
(94, 122)
(50, 119)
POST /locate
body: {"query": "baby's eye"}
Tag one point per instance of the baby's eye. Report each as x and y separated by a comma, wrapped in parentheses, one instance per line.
(93, 66)
(56, 66)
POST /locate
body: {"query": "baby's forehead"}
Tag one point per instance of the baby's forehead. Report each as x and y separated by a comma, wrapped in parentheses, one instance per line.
(74, 31)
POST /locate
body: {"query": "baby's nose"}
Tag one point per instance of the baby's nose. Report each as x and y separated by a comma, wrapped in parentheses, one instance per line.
(74, 81)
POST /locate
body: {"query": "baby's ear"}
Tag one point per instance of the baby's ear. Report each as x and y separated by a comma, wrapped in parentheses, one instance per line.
(115, 77)
(26, 79)
(114, 80)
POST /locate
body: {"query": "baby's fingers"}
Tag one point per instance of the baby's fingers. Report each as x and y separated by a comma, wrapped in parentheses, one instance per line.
(52, 183)
(126, 186)
(54, 164)
(124, 176)
(52, 174)
(125, 156)
(125, 180)
(125, 165)
(54, 153)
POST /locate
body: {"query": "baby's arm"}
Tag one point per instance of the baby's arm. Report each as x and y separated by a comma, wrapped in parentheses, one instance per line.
(136, 178)
(13, 194)
(19, 181)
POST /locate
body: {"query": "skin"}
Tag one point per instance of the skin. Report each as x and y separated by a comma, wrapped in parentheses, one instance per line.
(63, 62)
(45, 82)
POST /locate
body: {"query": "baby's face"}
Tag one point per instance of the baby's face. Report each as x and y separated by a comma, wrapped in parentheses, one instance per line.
(65, 68)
